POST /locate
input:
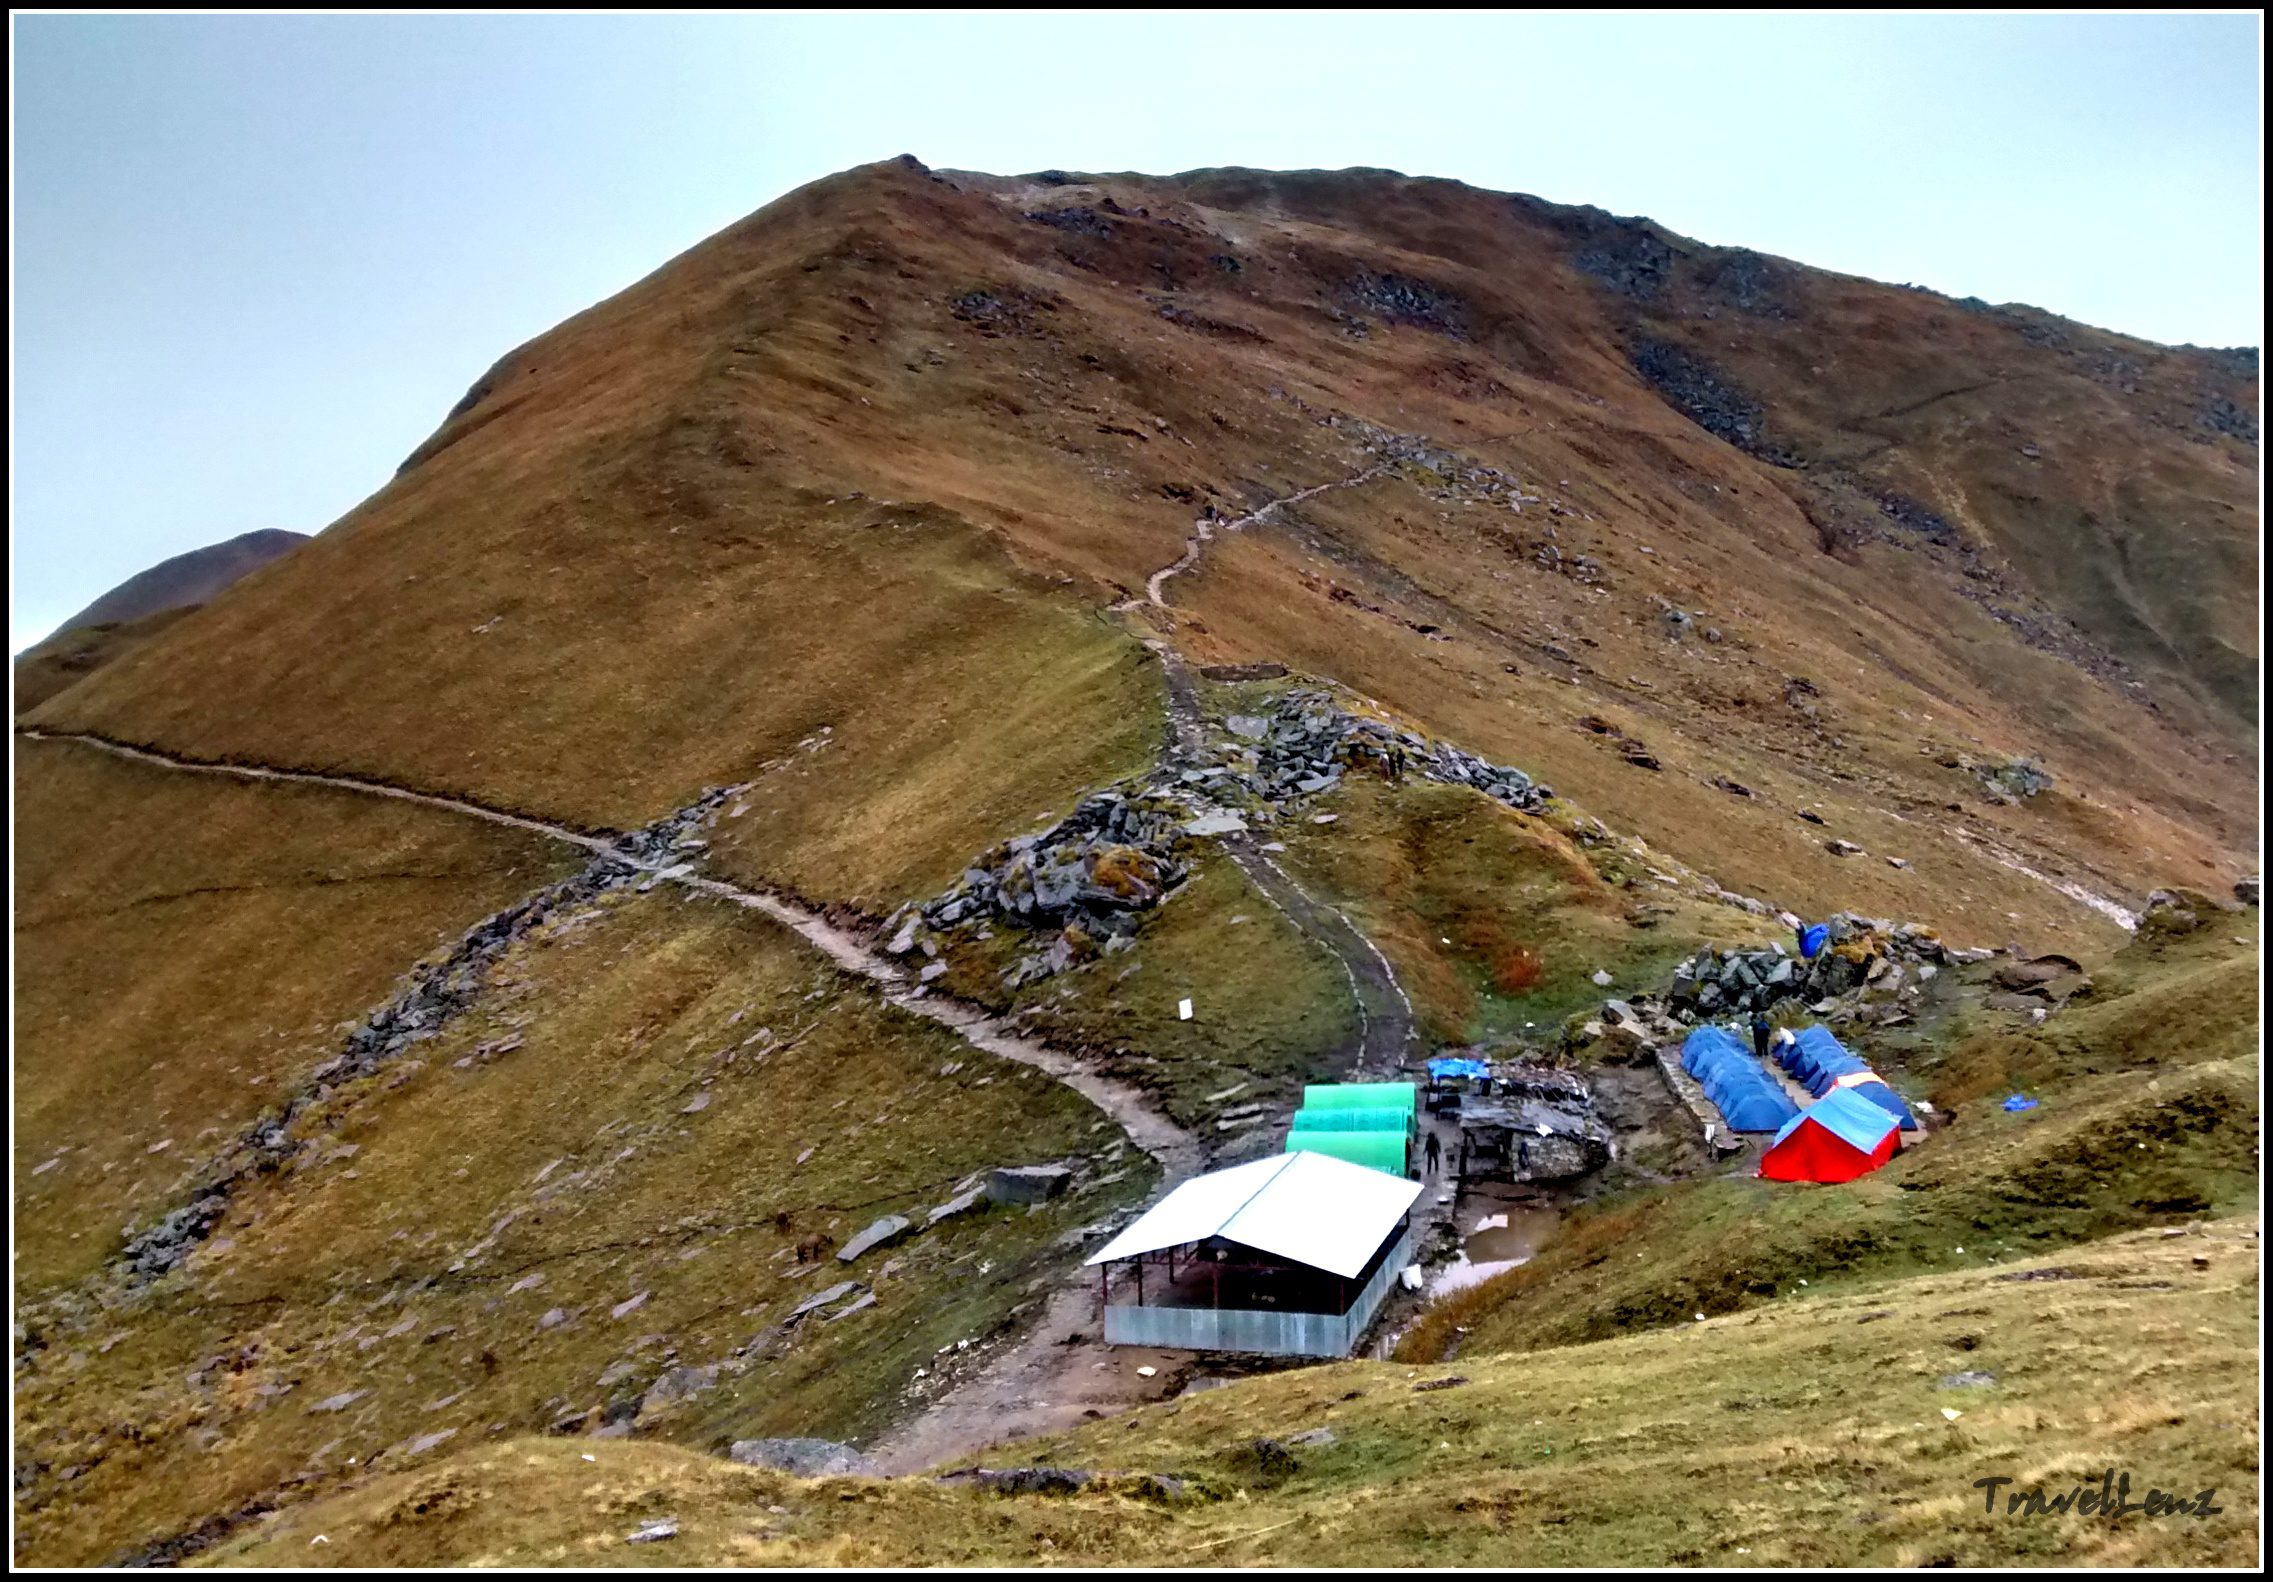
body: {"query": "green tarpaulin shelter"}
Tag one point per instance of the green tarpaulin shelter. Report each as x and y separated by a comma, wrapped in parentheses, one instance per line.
(1384, 1120)
(1360, 1096)
(1386, 1151)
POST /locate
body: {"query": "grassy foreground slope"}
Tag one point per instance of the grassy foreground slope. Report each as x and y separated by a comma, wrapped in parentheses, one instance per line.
(574, 1209)
(1825, 1432)
(185, 947)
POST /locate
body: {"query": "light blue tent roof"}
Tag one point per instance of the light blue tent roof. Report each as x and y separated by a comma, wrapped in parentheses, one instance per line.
(1848, 1116)
(1880, 1093)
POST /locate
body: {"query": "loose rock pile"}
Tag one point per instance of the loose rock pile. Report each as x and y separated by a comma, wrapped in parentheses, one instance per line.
(1862, 952)
(1092, 876)
(426, 1000)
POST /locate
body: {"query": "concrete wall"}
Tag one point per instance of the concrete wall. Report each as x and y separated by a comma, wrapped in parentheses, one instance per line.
(1264, 1331)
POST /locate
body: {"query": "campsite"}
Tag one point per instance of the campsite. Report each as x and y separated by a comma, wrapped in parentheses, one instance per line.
(1279, 1258)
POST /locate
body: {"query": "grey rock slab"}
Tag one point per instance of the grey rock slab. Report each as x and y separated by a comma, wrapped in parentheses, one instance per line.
(804, 1458)
(1027, 1183)
(882, 1233)
(957, 1205)
(835, 1293)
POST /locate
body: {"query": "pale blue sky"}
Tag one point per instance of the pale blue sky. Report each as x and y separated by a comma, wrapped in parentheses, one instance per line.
(257, 259)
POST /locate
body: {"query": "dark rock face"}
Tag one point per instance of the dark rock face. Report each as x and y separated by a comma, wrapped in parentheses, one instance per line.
(2222, 415)
(1699, 392)
(1747, 281)
(1909, 514)
(1628, 256)
(1400, 299)
(1081, 220)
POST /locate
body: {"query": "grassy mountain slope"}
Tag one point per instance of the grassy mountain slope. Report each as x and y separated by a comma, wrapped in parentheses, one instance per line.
(888, 438)
(1811, 1434)
(654, 1100)
(863, 506)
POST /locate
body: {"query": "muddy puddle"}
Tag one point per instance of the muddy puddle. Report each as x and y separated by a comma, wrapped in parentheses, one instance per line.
(1501, 1236)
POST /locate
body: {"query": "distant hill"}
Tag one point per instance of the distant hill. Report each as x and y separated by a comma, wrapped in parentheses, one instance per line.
(144, 604)
(186, 579)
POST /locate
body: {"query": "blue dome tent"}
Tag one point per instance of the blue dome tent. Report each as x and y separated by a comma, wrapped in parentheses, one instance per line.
(1747, 1097)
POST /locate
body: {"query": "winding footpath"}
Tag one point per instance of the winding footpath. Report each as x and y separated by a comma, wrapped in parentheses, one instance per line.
(1205, 529)
(1176, 1152)
(1385, 1015)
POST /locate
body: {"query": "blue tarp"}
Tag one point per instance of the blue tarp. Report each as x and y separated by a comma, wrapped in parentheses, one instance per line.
(1848, 1116)
(2017, 1103)
(1444, 1067)
(1812, 940)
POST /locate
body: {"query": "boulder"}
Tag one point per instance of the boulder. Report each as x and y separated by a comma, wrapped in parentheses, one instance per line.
(883, 1233)
(1021, 1480)
(961, 1204)
(1027, 1183)
(677, 1385)
(804, 1458)
(2247, 891)
(835, 1293)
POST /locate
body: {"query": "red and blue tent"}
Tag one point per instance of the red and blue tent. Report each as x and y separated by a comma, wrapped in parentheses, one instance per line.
(1823, 1063)
(1837, 1138)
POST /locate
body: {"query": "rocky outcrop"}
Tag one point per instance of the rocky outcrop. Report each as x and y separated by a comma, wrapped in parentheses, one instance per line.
(1861, 952)
(804, 1458)
(1090, 878)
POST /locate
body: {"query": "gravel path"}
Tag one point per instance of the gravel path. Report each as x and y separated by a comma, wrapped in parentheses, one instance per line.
(1177, 1153)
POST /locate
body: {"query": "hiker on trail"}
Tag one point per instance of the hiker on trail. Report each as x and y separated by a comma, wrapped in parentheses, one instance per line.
(1761, 1028)
(1434, 1151)
(1396, 764)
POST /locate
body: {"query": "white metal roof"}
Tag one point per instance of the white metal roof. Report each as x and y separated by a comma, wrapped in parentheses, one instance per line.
(1307, 1208)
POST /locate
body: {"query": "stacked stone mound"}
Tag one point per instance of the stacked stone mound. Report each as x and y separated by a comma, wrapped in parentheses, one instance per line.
(1307, 743)
(1090, 878)
(1862, 953)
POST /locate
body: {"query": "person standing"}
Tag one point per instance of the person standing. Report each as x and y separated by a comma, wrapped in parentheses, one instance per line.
(1433, 1152)
(1761, 1028)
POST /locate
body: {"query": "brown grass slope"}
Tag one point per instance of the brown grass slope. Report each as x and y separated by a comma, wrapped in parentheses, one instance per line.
(185, 949)
(187, 579)
(49, 666)
(594, 1177)
(1813, 1435)
(874, 457)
